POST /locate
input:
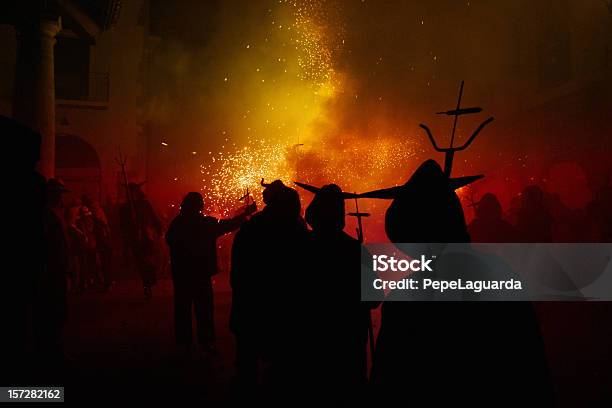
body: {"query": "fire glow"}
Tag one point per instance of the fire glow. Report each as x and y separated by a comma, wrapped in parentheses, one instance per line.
(359, 166)
(290, 77)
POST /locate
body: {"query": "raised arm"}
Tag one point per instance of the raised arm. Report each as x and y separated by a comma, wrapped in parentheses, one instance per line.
(231, 224)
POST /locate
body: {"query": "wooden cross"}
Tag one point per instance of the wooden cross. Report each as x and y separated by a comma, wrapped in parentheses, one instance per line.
(359, 216)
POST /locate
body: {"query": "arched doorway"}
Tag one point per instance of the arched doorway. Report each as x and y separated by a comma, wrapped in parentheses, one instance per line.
(78, 165)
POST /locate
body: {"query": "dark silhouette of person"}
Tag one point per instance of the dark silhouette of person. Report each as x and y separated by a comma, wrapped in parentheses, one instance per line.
(600, 213)
(51, 290)
(102, 235)
(488, 224)
(77, 249)
(566, 224)
(25, 247)
(269, 257)
(142, 229)
(91, 272)
(447, 351)
(340, 360)
(192, 239)
(438, 197)
(534, 221)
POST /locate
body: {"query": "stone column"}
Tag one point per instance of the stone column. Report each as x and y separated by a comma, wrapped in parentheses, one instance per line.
(34, 95)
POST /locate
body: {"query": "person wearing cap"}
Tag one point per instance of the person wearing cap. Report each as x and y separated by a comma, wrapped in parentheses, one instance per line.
(342, 320)
(192, 239)
(141, 229)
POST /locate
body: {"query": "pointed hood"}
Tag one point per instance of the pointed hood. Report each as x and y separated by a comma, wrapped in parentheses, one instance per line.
(428, 172)
(425, 209)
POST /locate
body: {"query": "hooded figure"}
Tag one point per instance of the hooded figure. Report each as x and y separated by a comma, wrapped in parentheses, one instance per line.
(268, 304)
(192, 238)
(342, 319)
(459, 352)
(488, 225)
(426, 204)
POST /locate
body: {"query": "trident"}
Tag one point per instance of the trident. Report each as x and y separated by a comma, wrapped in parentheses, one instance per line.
(245, 198)
(449, 152)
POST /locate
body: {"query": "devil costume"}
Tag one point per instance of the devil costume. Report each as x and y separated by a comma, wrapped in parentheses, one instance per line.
(483, 352)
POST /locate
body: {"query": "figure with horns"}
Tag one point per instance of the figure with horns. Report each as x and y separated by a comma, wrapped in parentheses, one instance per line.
(142, 230)
(269, 257)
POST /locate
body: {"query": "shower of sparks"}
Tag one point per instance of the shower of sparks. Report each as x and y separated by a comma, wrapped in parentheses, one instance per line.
(360, 165)
(283, 77)
(227, 176)
(281, 142)
(314, 56)
(290, 79)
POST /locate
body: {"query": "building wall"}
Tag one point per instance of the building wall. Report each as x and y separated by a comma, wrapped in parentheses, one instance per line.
(107, 127)
(116, 126)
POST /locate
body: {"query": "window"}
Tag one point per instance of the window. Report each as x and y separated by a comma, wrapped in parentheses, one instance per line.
(71, 69)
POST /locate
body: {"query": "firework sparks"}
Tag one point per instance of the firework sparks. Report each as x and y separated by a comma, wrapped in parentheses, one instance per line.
(227, 176)
(359, 166)
(291, 78)
(291, 71)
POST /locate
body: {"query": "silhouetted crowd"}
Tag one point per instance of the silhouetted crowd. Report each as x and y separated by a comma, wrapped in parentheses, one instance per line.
(301, 330)
(294, 334)
(91, 242)
(538, 216)
(90, 245)
(59, 246)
